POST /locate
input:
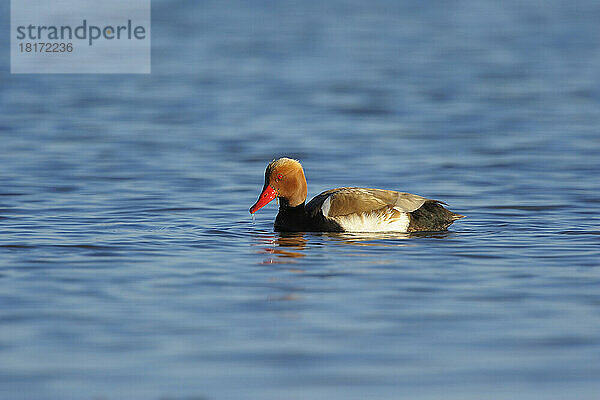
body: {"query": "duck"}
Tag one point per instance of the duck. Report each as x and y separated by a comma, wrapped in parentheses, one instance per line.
(346, 209)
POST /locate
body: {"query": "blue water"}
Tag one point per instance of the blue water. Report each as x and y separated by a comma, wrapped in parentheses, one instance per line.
(131, 269)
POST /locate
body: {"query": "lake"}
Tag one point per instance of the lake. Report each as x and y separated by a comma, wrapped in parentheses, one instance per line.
(131, 268)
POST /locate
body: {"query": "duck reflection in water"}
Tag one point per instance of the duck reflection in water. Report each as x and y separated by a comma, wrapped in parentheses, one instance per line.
(382, 239)
(286, 246)
(290, 246)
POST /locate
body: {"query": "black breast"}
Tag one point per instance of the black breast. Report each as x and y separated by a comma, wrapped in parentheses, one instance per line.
(299, 219)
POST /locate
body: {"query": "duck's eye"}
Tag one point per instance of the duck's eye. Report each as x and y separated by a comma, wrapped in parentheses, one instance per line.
(279, 177)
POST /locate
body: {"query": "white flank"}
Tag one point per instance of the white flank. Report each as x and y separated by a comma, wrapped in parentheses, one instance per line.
(326, 206)
(374, 221)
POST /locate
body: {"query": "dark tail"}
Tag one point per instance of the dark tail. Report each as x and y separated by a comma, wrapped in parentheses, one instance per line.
(432, 216)
(456, 216)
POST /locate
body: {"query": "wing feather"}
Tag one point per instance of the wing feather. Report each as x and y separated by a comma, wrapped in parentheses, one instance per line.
(345, 201)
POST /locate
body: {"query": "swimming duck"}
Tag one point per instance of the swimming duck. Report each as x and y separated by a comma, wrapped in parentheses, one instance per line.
(347, 209)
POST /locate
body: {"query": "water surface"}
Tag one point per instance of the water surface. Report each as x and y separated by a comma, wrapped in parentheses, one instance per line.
(130, 267)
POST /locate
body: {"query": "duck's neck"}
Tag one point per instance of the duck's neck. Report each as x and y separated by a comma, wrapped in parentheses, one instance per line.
(291, 218)
(284, 207)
